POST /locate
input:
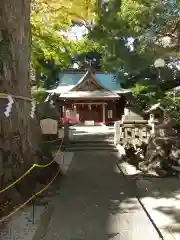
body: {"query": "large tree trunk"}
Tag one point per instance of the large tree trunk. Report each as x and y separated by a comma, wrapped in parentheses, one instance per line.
(18, 138)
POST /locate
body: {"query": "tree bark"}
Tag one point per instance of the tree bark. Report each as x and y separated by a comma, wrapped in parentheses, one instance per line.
(17, 133)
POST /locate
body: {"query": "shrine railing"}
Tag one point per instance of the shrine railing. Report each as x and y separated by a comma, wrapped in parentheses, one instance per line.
(133, 131)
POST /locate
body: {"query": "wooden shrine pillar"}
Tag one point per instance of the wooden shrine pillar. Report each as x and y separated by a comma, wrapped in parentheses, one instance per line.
(104, 113)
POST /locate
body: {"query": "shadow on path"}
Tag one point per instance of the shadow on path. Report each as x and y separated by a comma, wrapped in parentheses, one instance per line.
(96, 203)
(161, 196)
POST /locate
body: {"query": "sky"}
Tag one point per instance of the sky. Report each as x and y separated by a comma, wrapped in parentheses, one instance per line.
(75, 32)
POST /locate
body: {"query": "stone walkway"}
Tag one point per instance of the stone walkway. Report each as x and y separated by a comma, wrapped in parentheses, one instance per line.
(96, 203)
(161, 198)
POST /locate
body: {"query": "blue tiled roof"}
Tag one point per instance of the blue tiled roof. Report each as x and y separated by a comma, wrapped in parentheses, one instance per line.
(69, 78)
(108, 81)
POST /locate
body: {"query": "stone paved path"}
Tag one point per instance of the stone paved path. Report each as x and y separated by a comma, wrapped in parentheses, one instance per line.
(96, 203)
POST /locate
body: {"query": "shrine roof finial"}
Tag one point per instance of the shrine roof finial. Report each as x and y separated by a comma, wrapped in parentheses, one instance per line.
(91, 70)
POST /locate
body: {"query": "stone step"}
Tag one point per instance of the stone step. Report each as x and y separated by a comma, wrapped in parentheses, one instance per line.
(90, 145)
(92, 141)
(111, 144)
(87, 147)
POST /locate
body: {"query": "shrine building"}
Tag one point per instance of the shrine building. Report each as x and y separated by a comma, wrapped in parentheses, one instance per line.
(90, 98)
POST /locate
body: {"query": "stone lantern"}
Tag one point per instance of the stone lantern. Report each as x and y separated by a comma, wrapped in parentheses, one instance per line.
(157, 112)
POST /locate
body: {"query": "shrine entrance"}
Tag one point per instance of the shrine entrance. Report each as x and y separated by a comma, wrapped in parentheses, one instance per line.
(92, 112)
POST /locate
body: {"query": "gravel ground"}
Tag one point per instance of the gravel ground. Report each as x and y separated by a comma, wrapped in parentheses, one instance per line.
(21, 225)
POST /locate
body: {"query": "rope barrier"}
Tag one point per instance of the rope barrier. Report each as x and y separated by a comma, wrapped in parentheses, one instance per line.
(31, 198)
(31, 168)
(5, 95)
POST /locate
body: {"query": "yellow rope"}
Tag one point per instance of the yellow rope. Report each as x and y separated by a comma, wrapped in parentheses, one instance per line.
(31, 168)
(31, 198)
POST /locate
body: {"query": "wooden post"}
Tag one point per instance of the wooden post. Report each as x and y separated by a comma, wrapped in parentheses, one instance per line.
(66, 133)
(75, 112)
(64, 111)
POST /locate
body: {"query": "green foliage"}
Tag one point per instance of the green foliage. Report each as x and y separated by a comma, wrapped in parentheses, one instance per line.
(48, 45)
(124, 19)
(139, 88)
(131, 33)
(144, 95)
(51, 50)
(141, 24)
(147, 95)
(39, 94)
(171, 103)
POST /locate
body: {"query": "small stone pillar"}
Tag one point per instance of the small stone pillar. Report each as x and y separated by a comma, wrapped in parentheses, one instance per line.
(151, 123)
(117, 132)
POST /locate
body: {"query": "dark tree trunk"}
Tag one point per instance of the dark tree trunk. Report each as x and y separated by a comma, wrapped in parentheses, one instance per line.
(168, 85)
(18, 137)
